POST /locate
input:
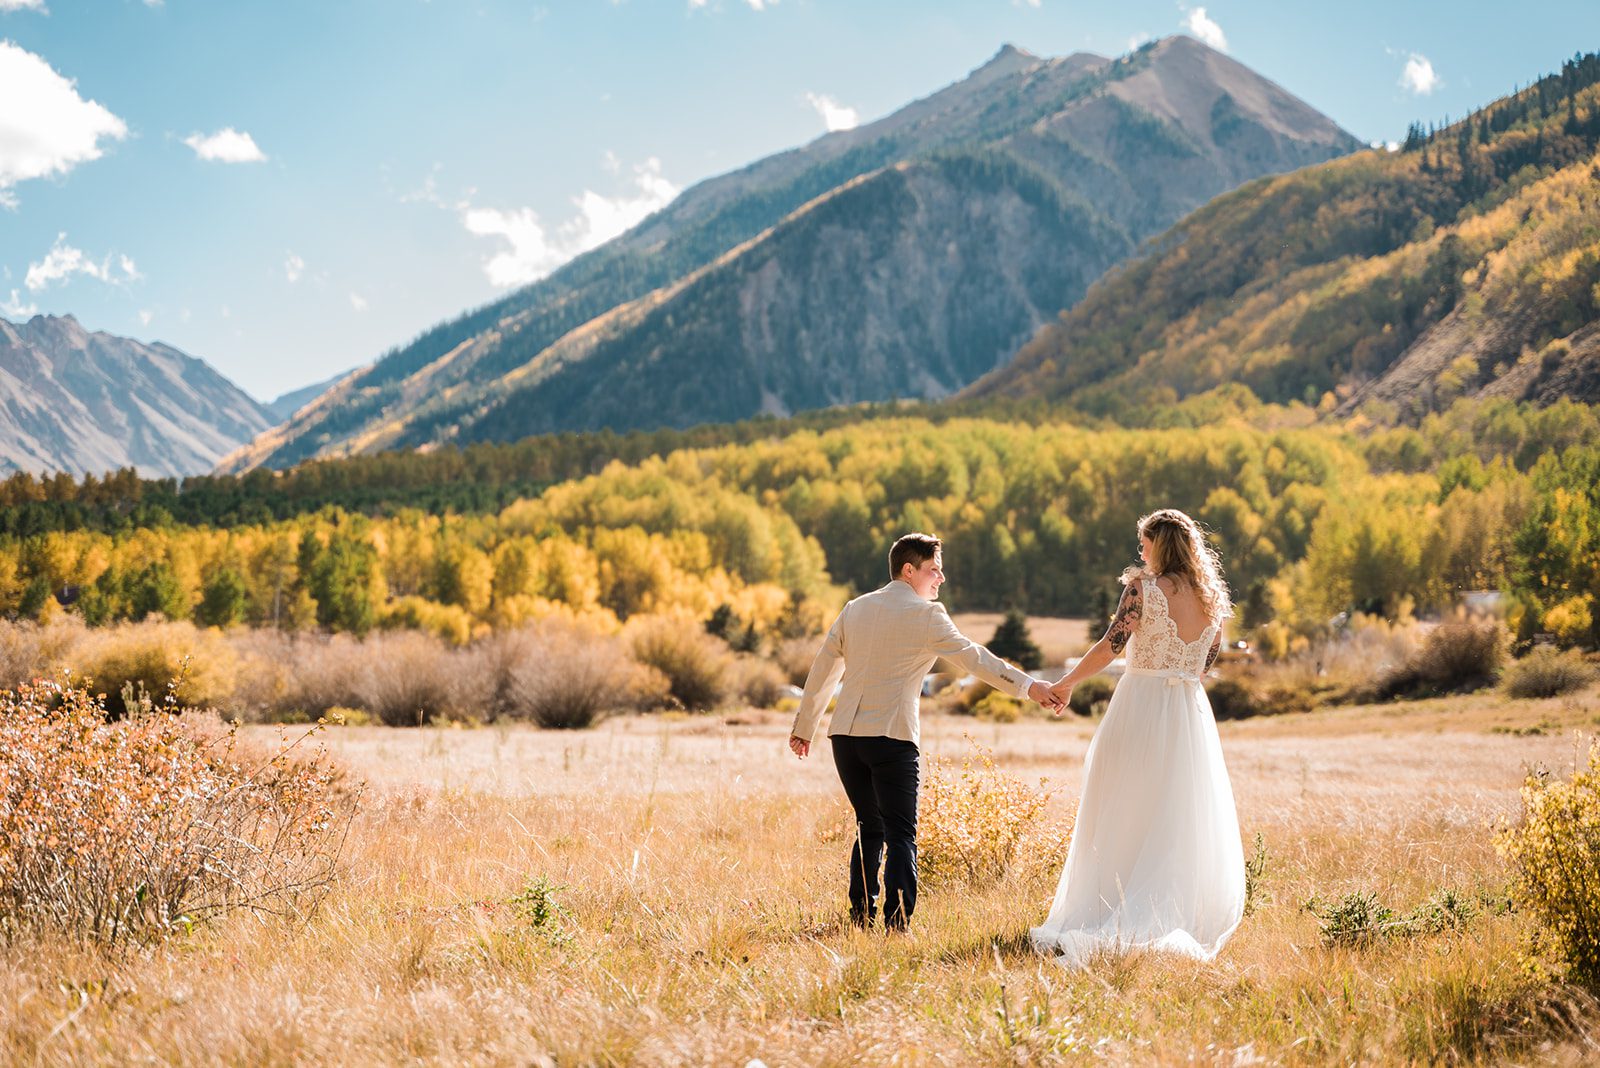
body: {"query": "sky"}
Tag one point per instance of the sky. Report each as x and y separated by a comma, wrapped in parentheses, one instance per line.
(289, 188)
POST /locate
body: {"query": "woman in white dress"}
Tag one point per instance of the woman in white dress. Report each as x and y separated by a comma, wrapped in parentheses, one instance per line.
(1155, 861)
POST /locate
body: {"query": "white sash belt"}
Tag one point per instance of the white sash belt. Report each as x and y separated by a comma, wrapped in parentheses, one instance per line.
(1172, 675)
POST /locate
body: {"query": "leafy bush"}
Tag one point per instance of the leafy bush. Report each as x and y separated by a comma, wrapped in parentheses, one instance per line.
(1234, 697)
(1554, 853)
(997, 707)
(975, 823)
(694, 662)
(1547, 673)
(120, 832)
(1457, 656)
(154, 657)
(1091, 696)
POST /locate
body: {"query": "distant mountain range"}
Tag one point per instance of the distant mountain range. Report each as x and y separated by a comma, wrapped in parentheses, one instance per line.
(905, 258)
(82, 402)
(1465, 264)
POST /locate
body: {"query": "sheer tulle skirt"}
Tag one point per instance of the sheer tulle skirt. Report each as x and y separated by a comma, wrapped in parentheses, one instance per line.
(1155, 860)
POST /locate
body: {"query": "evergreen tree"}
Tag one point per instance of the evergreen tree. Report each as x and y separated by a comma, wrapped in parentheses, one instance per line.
(1013, 642)
(156, 589)
(223, 601)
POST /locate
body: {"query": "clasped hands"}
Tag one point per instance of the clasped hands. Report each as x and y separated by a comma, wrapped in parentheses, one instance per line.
(1054, 698)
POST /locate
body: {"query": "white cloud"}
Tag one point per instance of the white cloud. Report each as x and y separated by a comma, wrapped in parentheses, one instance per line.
(1419, 76)
(1026, 3)
(16, 309)
(145, 317)
(293, 268)
(54, 131)
(19, 5)
(835, 116)
(358, 302)
(1204, 27)
(534, 252)
(761, 5)
(226, 146)
(63, 261)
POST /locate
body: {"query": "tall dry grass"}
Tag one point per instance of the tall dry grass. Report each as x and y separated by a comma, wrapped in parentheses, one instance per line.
(668, 893)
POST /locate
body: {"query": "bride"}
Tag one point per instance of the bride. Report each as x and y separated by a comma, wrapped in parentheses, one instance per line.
(1155, 860)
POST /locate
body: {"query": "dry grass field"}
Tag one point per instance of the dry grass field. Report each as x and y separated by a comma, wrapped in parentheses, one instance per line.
(668, 890)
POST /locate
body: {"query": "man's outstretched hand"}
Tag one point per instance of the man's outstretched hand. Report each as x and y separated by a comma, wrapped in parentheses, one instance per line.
(1045, 696)
(801, 747)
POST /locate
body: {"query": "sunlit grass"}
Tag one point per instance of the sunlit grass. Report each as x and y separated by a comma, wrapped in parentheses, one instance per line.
(698, 917)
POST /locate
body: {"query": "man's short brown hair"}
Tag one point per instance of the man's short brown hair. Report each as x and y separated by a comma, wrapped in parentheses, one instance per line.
(913, 549)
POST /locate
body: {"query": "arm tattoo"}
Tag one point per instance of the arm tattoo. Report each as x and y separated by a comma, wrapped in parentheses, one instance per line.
(1126, 620)
(1216, 649)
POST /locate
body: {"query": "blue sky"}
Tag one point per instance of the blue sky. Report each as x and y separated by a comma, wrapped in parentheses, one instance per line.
(287, 188)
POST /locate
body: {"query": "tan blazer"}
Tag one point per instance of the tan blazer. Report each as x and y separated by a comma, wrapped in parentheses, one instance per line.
(883, 643)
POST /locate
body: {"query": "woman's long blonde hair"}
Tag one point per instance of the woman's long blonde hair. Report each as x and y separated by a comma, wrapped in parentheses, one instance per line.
(1178, 548)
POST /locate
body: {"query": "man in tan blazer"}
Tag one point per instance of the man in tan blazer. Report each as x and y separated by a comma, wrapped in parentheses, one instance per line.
(883, 644)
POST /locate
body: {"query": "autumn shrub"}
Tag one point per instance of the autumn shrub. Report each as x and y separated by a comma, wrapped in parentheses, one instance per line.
(297, 677)
(558, 674)
(997, 707)
(1236, 696)
(976, 821)
(1544, 672)
(794, 657)
(30, 650)
(1554, 855)
(121, 832)
(1456, 656)
(694, 662)
(757, 682)
(447, 622)
(153, 657)
(1091, 696)
(406, 678)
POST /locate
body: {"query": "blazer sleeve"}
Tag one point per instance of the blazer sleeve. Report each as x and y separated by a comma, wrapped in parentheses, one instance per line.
(950, 643)
(826, 670)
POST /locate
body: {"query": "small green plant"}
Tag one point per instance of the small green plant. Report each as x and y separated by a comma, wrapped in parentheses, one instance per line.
(1358, 920)
(536, 906)
(1255, 868)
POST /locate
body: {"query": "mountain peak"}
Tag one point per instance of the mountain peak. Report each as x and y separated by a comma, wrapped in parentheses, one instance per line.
(1008, 60)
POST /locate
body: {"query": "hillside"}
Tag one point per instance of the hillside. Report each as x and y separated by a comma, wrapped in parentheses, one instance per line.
(79, 401)
(901, 259)
(1464, 264)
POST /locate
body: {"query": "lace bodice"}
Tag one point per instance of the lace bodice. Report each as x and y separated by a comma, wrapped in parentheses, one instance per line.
(1155, 645)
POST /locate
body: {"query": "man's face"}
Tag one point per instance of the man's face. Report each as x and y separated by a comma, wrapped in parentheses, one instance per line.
(926, 579)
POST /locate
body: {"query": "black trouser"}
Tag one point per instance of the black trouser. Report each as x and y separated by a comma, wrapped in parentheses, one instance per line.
(880, 777)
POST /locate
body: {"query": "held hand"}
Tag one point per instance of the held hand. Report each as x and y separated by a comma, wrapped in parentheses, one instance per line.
(1045, 696)
(1062, 692)
(800, 746)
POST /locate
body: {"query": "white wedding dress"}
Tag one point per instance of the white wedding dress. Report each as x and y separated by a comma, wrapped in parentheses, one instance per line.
(1155, 860)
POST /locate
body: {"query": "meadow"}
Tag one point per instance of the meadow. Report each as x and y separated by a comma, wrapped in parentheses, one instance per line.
(668, 889)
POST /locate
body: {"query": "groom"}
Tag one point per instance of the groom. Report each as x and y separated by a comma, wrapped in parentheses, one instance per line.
(883, 643)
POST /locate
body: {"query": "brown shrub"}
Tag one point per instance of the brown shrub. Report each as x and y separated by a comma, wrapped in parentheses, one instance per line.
(30, 651)
(1547, 673)
(694, 662)
(1456, 656)
(757, 682)
(794, 656)
(407, 679)
(559, 674)
(125, 831)
(975, 822)
(297, 677)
